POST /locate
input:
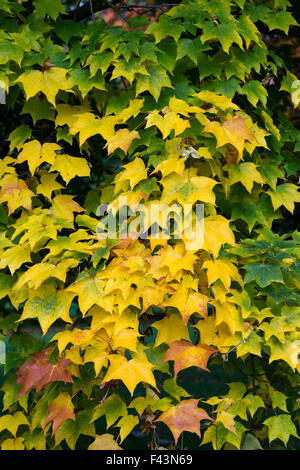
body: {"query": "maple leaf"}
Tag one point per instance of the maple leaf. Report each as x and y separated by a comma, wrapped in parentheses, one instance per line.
(216, 233)
(157, 79)
(49, 82)
(170, 121)
(188, 303)
(47, 185)
(185, 416)
(15, 192)
(176, 258)
(220, 101)
(59, 410)
(13, 444)
(185, 354)
(131, 372)
(38, 372)
(188, 190)
(134, 172)
(48, 304)
(170, 329)
(15, 256)
(63, 208)
(89, 290)
(226, 32)
(12, 422)
(223, 270)
(104, 442)
(87, 124)
(281, 427)
(97, 354)
(227, 420)
(69, 167)
(126, 425)
(288, 352)
(246, 173)
(263, 274)
(226, 312)
(285, 195)
(233, 131)
(169, 165)
(121, 139)
(35, 154)
(129, 69)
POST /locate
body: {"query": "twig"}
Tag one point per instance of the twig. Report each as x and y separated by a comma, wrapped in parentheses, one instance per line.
(149, 7)
(234, 347)
(92, 11)
(117, 10)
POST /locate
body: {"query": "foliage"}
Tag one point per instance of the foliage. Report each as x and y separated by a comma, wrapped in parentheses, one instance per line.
(113, 343)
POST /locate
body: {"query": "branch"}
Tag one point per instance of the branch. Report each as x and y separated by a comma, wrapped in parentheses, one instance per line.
(92, 6)
(89, 8)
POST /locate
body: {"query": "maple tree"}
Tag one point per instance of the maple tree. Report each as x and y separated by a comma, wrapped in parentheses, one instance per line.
(109, 336)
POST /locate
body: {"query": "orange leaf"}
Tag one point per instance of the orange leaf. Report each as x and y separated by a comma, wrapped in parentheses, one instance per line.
(184, 417)
(38, 372)
(59, 410)
(186, 355)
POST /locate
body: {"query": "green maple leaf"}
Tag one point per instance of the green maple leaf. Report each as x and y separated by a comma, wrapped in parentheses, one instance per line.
(281, 427)
(71, 430)
(270, 173)
(157, 79)
(48, 304)
(255, 92)
(52, 9)
(285, 195)
(19, 135)
(281, 20)
(165, 27)
(279, 400)
(9, 51)
(129, 69)
(39, 109)
(6, 283)
(81, 78)
(112, 408)
(263, 274)
(226, 33)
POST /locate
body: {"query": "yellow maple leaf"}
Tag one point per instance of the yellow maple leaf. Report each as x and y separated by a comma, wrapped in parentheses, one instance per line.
(170, 329)
(188, 190)
(220, 101)
(104, 442)
(47, 185)
(216, 233)
(69, 167)
(134, 172)
(49, 82)
(35, 154)
(167, 123)
(223, 270)
(121, 139)
(131, 372)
